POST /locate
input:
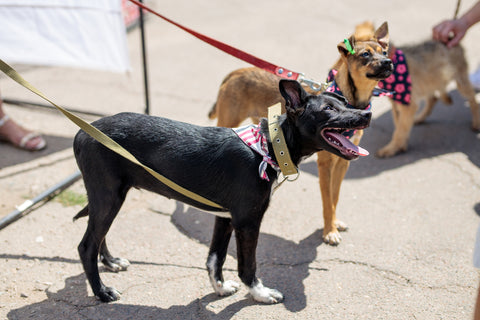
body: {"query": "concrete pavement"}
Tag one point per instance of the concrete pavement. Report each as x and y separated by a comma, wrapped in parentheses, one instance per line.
(412, 218)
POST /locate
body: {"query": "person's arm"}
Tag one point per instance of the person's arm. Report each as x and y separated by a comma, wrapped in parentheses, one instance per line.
(451, 32)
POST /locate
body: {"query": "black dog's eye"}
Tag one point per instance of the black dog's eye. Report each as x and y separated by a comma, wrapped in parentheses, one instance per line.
(328, 107)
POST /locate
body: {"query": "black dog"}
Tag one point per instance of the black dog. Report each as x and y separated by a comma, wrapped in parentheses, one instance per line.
(212, 162)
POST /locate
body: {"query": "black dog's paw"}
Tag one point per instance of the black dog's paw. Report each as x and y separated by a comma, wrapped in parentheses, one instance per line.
(264, 294)
(115, 264)
(108, 294)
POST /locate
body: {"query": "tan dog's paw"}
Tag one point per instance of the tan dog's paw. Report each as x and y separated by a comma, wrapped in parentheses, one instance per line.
(419, 119)
(341, 226)
(476, 125)
(332, 238)
(389, 151)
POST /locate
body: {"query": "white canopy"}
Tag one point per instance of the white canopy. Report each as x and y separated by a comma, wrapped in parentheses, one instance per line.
(76, 33)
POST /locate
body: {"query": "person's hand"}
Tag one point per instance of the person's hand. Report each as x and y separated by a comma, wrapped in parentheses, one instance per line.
(450, 32)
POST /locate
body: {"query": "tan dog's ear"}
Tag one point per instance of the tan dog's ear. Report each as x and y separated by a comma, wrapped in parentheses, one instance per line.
(364, 31)
(382, 35)
(342, 47)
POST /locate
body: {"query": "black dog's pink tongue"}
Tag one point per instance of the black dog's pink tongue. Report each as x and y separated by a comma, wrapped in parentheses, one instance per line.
(347, 144)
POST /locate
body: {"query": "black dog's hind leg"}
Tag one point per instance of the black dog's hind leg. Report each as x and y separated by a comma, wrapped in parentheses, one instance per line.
(111, 263)
(247, 238)
(101, 216)
(216, 257)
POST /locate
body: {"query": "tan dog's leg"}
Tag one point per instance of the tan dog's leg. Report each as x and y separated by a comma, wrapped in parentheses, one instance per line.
(403, 125)
(339, 171)
(430, 103)
(227, 117)
(427, 110)
(466, 90)
(326, 163)
(331, 172)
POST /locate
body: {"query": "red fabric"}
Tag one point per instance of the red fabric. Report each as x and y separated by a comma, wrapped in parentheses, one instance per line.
(265, 65)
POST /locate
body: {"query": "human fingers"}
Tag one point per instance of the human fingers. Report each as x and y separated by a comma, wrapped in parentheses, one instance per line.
(442, 31)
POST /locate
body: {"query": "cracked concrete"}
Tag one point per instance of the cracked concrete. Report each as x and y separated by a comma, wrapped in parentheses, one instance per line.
(412, 219)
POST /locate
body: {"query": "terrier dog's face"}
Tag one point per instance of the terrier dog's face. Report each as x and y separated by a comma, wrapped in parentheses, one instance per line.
(322, 119)
(369, 57)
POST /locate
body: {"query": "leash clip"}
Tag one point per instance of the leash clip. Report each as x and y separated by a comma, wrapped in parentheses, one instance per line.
(314, 85)
(285, 178)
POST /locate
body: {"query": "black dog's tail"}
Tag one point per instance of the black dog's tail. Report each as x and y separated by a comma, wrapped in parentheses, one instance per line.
(82, 213)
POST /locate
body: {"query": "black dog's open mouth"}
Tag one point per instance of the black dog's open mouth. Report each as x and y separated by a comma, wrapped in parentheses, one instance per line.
(335, 138)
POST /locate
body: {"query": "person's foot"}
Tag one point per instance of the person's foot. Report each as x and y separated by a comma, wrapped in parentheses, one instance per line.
(21, 138)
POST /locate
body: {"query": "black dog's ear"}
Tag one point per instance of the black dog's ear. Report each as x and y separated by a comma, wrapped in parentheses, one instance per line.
(293, 93)
(336, 96)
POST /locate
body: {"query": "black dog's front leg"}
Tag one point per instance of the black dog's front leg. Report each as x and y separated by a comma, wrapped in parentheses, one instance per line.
(216, 257)
(247, 238)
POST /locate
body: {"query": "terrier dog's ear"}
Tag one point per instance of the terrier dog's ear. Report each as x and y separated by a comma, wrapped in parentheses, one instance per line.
(293, 93)
(343, 49)
(382, 35)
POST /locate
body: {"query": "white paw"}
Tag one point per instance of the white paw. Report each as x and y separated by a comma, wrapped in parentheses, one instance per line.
(332, 238)
(341, 226)
(117, 264)
(265, 295)
(225, 288)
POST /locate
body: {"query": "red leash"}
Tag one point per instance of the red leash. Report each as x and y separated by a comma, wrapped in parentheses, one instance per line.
(242, 55)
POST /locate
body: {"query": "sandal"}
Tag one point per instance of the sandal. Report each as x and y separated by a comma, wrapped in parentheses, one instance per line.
(25, 142)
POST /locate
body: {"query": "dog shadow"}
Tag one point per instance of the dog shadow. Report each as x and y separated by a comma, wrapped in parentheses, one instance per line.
(446, 130)
(72, 302)
(282, 264)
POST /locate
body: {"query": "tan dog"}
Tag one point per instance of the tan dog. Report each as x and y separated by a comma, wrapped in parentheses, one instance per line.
(247, 93)
(432, 66)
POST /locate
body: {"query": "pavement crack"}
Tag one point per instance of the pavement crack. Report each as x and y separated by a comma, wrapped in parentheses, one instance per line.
(291, 265)
(397, 277)
(468, 173)
(385, 273)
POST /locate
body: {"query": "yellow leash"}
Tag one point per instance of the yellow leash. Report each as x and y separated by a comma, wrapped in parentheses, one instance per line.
(104, 139)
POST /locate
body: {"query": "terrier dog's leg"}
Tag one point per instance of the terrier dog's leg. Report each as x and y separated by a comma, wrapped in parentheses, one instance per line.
(216, 257)
(247, 238)
(111, 263)
(101, 215)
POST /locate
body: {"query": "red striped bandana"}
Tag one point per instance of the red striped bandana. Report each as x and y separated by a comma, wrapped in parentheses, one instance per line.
(253, 137)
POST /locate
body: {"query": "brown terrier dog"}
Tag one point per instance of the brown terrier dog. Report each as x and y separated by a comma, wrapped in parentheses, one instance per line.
(424, 70)
(247, 93)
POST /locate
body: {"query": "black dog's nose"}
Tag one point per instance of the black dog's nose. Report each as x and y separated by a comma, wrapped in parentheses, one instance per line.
(367, 115)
